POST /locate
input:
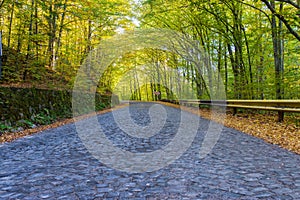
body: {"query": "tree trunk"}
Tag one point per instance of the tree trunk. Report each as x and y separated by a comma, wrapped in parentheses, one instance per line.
(236, 84)
(27, 65)
(251, 92)
(1, 54)
(58, 46)
(277, 38)
(226, 70)
(52, 33)
(10, 24)
(36, 30)
(137, 87)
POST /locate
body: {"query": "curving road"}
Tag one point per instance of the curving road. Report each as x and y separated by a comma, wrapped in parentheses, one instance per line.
(55, 164)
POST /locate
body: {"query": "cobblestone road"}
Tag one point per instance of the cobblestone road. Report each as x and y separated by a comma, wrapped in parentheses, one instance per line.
(55, 164)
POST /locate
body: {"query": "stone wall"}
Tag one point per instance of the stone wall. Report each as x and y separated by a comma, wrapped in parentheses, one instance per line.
(26, 103)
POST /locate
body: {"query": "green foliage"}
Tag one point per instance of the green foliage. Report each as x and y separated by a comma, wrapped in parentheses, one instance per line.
(100, 106)
(4, 128)
(56, 35)
(24, 123)
(45, 42)
(238, 37)
(43, 118)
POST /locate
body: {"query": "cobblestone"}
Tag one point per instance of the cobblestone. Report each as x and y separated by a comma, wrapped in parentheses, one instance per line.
(55, 164)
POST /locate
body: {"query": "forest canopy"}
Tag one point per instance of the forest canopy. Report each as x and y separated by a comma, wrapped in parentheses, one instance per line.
(254, 45)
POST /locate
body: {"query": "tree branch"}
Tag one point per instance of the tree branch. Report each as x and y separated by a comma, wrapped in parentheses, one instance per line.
(1, 4)
(280, 17)
(260, 10)
(290, 2)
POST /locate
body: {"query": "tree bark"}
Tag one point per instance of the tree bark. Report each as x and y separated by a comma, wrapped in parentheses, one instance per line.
(277, 38)
(281, 18)
(28, 53)
(10, 24)
(58, 45)
(52, 33)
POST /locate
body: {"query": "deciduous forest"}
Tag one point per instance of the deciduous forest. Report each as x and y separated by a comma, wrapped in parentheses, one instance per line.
(255, 45)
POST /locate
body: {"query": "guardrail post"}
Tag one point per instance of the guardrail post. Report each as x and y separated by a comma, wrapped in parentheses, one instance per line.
(280, 116)
(234, 111)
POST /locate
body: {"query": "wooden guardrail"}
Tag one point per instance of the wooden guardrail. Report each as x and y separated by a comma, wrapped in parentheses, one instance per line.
(281, 106)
